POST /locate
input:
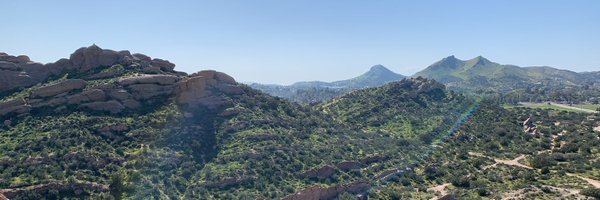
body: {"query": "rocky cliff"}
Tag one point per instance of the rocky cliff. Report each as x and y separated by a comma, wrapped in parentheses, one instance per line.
(105, 81)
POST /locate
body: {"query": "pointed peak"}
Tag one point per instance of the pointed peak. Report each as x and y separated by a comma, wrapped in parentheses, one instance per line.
(378, 67)
(449, 61)
(451, 57)
(480, 60)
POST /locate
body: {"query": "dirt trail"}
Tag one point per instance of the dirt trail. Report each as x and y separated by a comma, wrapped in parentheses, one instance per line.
(595, 183)
(514, 162)
(574, 108)
(440, 188)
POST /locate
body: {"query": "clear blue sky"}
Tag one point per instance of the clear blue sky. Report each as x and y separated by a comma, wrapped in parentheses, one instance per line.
(284, 41)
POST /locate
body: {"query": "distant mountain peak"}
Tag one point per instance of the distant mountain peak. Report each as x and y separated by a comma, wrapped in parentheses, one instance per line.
(379, 69)
(481, 60)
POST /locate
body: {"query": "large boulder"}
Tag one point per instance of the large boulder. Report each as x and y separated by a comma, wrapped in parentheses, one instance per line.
(13, 106)
(58, 88)
(88, 58)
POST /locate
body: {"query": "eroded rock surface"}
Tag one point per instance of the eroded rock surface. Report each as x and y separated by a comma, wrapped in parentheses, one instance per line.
(111, 82)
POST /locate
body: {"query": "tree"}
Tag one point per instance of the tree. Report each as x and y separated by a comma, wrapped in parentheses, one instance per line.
(117, 185)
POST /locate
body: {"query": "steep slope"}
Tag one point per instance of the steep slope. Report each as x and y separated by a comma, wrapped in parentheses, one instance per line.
(85, 125)
(407, 108)
(318, 91)
(115, 125)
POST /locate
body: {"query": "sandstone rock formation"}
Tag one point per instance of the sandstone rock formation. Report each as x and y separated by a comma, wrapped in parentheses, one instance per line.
(18, 72)
(58, 88)
(119, 84)
(317, 192)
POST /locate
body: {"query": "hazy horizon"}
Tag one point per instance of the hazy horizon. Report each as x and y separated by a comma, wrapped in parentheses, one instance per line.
(286, 42)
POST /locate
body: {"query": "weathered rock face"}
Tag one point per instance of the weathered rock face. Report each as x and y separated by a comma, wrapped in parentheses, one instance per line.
(202, 89)
(92, 57)
(13, 106)
(87, 96)
(17, 72)
(209, 90)
(58, 88)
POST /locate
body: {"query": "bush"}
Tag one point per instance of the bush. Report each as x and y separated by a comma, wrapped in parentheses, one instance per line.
(591, 192)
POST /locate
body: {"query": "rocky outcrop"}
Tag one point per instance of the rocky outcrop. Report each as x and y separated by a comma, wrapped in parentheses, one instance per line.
(321, 172)
(349, 165)
(13, 106)
(318, 192)
(87, 96)
(529, 127)
(112, 106)
(209, 90)
(18, 72)
(206, 89)
(371, 159)
(77, 187)
(93, 56)
(58, 88)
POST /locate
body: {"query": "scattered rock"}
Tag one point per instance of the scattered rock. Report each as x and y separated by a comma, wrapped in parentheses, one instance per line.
(58, 88)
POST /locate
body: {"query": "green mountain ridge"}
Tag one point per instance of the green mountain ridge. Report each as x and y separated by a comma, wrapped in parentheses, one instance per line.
(109, 124)
(318, 91)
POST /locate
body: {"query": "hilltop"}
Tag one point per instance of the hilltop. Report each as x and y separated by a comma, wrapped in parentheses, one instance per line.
(318, 91)
(513, 83)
